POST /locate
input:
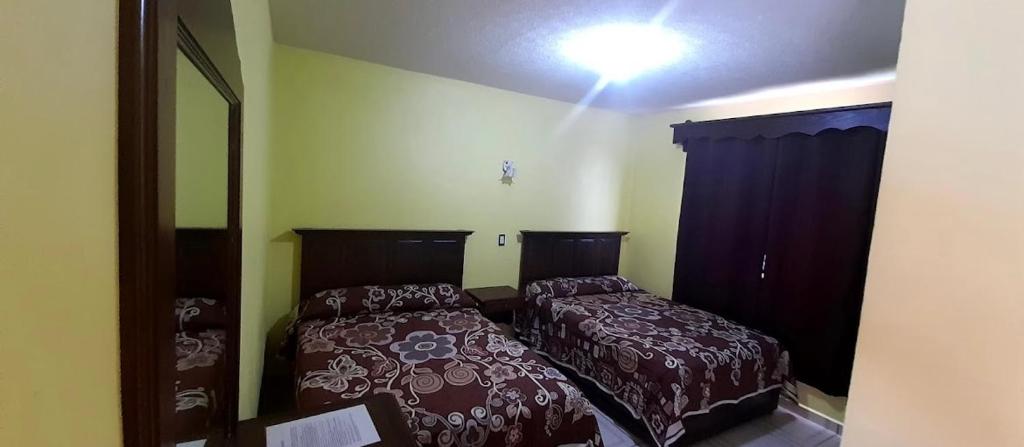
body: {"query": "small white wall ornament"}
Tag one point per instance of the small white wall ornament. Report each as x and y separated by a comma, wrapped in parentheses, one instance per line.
(508, 169)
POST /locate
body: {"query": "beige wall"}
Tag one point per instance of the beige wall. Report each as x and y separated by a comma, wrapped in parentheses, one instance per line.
(252, 27)
(58, 237)
(939, 359)
(358, 145)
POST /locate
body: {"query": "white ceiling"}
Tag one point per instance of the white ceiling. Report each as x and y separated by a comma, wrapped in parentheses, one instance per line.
(737, 46)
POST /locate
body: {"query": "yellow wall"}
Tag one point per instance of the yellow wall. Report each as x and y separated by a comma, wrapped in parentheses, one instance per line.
(939, 359)
(201, 151)
(252, 27)
(658, 187)
(358, 145)
(59, 379)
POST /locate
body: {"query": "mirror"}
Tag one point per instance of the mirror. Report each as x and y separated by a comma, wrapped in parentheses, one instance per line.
(203, 292)
(201, 151)
(179, 192)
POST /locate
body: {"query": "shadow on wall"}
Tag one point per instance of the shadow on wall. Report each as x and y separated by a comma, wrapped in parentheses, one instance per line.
(290, 238)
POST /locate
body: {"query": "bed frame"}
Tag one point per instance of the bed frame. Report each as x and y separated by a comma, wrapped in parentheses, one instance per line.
(551, 254)
(201, 262)
(554, 254)
(334, 258)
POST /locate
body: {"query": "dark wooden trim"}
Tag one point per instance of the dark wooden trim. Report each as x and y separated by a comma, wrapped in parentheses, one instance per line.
(145, 142)
(357, 233)
(574, 234)
(211, 25)
(776, 125)
(552, 254)
(217, 15)
(148, 33)
(347, 258)
(201, 262)
(192, 50)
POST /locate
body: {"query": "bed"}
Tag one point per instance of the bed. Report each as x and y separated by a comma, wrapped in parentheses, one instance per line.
(677, 373)
(456, 377)
(200, 338)
(199, 370)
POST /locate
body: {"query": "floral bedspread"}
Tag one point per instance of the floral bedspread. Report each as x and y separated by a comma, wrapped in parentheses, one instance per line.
(457, 379)
(198, 381)
(663, 360)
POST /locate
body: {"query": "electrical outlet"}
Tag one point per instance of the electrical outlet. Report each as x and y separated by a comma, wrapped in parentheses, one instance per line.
(501, 240)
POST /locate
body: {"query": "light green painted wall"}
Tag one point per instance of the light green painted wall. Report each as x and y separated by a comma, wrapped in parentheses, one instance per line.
(201, 150)
(255, 48)
(358, 145)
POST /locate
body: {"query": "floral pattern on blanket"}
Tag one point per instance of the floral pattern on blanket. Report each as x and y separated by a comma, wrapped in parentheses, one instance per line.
(372, 299)
(199, 373)
(457, 379)
(663, 360)
(196, 314)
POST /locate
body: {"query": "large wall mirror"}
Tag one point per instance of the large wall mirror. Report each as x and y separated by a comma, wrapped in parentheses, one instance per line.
(179, 156)
(202, 288)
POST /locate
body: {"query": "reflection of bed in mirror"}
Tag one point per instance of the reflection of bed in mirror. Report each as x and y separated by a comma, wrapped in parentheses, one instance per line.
(200, 331)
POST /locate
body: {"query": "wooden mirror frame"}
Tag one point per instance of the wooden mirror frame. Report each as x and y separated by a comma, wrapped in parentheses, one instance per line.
(149, 33)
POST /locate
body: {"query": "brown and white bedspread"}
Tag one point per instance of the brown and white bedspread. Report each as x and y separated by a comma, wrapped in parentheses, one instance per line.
(198, 381)
(457, 378)
(199, 344)
(663, 360)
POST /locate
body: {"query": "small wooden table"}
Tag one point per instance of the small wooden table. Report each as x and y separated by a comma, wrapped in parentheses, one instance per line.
(383, 409)
(498, 304)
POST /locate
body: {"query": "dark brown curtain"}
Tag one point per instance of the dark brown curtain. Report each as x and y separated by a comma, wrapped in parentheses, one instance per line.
(774, 234)
(723, 225)
(819, 231)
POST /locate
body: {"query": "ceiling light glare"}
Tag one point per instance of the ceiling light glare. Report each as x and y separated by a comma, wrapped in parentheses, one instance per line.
(622, 51)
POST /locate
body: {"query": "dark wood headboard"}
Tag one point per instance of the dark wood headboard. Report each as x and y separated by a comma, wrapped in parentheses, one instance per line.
(201, 262)
(552, 254)
(345, 258)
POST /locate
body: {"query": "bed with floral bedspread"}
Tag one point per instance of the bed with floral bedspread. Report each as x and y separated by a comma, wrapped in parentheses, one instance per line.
(457, 378)
(663, 361)
(199, 366)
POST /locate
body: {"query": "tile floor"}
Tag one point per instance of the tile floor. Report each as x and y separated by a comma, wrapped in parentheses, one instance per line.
(779, 429)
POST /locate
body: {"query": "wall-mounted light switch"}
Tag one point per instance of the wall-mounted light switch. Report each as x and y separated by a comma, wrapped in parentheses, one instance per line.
(501, 240)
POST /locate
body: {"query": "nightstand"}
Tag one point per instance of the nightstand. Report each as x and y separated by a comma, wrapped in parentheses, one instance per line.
(497, 304)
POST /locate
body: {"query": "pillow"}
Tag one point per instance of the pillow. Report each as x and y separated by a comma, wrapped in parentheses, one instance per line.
(592, 285)
(375, 299)
(196, 314)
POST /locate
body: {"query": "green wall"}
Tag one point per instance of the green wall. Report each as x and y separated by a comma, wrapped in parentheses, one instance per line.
(201, 150)
(358, 145)
(255, 48)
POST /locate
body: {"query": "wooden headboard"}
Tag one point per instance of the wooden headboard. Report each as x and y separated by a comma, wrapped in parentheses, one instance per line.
(345, 258)
(201, 262)
(552, 254)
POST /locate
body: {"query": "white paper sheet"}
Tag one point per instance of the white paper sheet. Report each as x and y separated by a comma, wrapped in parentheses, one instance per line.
(198, 443)
(349, 427)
